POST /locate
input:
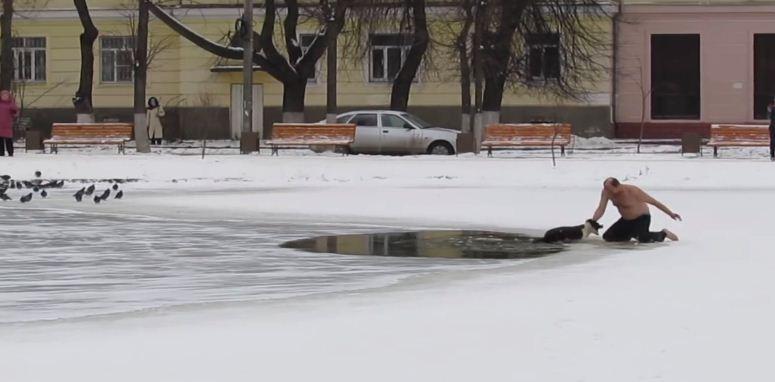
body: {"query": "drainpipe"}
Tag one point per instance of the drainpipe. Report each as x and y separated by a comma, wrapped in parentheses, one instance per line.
(614, 51)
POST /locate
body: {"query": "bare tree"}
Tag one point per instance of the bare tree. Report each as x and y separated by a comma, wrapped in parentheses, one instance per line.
(511, 26)
(296, 66)
(140, 77)
(6, 53)
(409, 20)
(644, 91)
(82, 101)
(454, 36)
(137, 20)
(402, 84)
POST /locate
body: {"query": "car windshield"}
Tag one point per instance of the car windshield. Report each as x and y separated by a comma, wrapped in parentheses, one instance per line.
(416, 121)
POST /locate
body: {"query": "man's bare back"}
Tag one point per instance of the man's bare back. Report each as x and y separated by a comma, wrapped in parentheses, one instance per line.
(632, 203)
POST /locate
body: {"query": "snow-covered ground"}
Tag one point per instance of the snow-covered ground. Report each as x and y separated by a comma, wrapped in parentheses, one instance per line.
(694, 310)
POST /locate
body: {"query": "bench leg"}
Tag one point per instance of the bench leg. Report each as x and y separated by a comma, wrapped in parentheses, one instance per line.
(489, 151)
(274, 150)
(715, 151)
(562, 151)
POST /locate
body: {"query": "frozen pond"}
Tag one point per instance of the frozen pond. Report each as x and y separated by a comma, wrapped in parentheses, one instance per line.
(64, 264)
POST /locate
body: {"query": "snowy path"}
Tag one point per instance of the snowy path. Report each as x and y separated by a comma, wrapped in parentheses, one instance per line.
(697, 310)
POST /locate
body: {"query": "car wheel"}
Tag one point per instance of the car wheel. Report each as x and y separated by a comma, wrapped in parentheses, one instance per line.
(440, 148)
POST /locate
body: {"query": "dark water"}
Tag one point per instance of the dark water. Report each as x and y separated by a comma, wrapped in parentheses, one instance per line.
(447, 244)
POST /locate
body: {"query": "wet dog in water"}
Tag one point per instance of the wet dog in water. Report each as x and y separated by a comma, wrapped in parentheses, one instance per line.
(577, 232)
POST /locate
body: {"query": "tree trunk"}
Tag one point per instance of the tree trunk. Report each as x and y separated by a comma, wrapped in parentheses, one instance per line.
(140, 72)
(476, 121)
(293, 100)
(82, 101)
(331, 80)
(465, 68)
(402, 84)
(498, 52)
(644, 97)
(6, 35)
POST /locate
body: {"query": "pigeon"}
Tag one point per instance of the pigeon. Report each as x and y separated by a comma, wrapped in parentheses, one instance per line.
(4, 197)
(43, 194)
(26, 198)
(60, 184)
(90, 190)
(120, 194)
(5, 177)
(28, 184)
(79, 195)
(97, 199)
(105, 194)
(35, 189)
(115, 186)
(37, 174)
(18, 185)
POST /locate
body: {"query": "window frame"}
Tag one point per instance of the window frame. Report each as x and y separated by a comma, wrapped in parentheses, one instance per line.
(33, 50)
(356, 115)
(384, 47)
(543, 41)
(658, 94)
(128, 43)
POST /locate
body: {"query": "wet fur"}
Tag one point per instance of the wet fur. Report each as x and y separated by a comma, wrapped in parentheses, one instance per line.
(571, 233)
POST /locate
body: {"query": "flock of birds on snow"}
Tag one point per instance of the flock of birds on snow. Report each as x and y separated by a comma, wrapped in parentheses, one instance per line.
(39, 187)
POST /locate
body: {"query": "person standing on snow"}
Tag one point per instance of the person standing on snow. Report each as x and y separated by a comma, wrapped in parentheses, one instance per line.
(8, 112)
(632, 203)
(153, 118)
(771, 116)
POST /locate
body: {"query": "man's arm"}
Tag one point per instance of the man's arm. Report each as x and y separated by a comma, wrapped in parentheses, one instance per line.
(656, 203)
(601, 206)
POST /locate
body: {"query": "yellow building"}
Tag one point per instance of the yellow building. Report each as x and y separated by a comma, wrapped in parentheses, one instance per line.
(201, 93)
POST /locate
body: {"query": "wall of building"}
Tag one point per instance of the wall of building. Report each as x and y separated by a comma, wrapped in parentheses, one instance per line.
(726, 63)
(181, 77)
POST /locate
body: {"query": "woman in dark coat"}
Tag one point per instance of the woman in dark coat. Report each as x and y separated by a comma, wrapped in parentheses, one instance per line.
(771, 114)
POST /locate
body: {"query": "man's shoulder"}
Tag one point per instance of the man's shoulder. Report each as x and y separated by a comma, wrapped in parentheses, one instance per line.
(631, 188)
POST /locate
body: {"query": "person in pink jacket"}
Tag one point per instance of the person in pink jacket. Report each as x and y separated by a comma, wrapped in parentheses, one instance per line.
(8, 112)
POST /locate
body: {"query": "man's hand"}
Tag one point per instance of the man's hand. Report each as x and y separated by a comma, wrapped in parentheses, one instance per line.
(675, 216)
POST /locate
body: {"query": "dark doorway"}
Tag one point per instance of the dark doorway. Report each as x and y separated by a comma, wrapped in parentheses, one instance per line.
(675, 76)
(764, 73)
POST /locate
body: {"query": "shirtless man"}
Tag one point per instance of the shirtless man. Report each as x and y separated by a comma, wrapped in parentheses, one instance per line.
(632, 204)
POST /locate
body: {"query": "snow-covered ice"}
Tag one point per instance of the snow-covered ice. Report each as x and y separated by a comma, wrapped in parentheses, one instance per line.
(694, 310)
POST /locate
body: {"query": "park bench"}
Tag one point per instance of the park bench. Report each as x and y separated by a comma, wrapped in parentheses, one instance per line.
(79, 134)
(724, 135)
(527, 135)
(308, 135)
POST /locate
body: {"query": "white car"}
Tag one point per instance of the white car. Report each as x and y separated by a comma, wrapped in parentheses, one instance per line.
(397, 132)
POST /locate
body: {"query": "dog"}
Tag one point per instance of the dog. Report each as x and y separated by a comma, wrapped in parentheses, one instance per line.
(566, 234)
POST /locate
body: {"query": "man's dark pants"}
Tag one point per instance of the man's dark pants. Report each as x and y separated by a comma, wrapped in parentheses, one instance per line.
(638, 228)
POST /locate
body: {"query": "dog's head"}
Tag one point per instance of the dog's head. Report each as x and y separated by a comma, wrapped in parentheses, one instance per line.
(592, 226)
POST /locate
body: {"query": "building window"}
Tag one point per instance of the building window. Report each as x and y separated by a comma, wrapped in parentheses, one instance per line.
(675, 76)
(764, 73)
(388, 53)
(117, 59)
(543, 56)
(306, 41)
(29, 55)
